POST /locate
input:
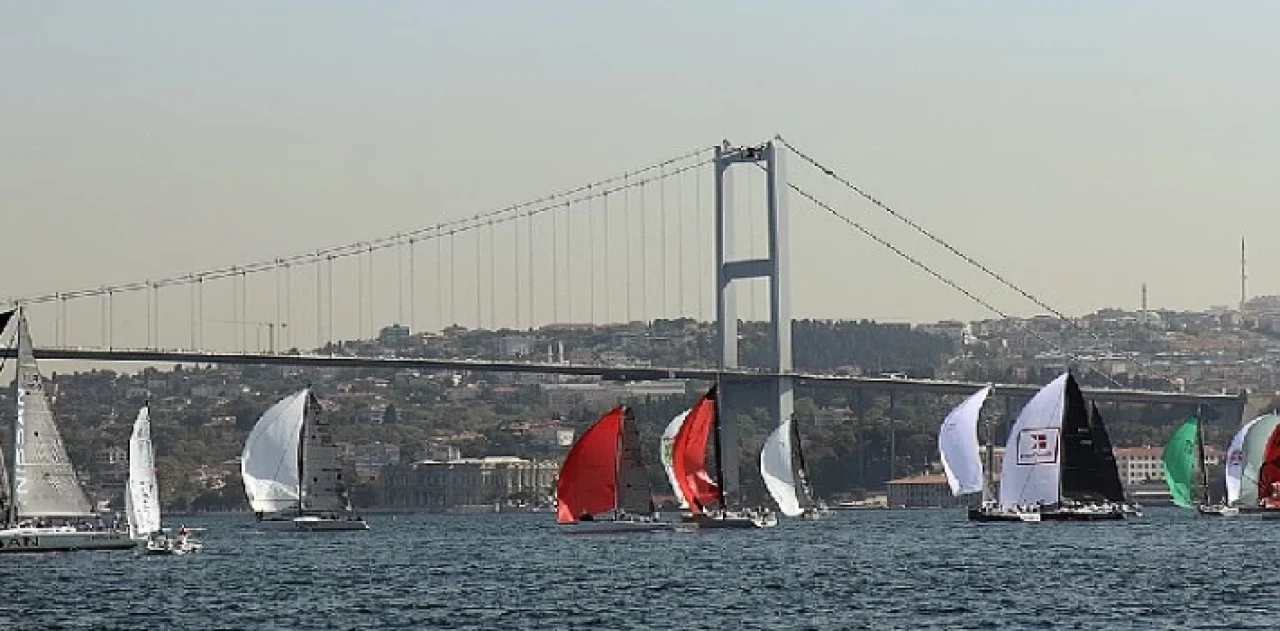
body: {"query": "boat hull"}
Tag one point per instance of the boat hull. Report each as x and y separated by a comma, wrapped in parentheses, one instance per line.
(981, 515)
(61, 540)
(730, 521)
(601, 527)
(312, 524)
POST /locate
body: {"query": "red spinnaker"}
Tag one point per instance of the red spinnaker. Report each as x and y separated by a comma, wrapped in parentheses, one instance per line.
(689, 455)
(1269, 474)
(589, 476)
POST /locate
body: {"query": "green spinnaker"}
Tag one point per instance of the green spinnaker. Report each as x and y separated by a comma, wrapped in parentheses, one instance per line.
(1180, 463)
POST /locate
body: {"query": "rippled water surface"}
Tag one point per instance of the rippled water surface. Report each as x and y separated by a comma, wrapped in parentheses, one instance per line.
(861, 569)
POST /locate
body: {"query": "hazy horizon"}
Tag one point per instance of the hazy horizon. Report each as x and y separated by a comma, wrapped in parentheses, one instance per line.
(1080, 150)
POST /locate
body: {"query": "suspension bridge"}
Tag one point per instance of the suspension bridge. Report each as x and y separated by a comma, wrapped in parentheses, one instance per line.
(668, 241)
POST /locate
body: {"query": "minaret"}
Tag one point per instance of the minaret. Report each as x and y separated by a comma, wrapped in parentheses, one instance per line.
(1143, 319)
(1242, 278)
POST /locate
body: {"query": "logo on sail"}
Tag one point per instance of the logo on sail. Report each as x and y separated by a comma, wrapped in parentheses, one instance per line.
(1038, 446)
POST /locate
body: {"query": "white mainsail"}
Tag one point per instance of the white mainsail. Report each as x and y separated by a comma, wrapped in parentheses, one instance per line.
(778, 472)
(269, 463)
(665, 452)
(44, 481)
(1245, 457)
(142, 501)
(1032, 463)
(958, 445)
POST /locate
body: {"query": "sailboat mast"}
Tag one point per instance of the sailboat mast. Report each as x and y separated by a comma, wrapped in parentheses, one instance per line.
(715, 429)
(302, 448)
(11, 510)
(619, 445)
(1200, 456)
(988, 468)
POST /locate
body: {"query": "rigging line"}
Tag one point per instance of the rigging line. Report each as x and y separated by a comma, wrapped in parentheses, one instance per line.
(922, 230)
(591, 260)
(925, 268)
(944, 244)
(464, 224)
(493, 280)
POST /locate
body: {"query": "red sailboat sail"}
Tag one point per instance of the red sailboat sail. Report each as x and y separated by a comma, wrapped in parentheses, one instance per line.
(1269, 473)
(689, 455)
(589, 476)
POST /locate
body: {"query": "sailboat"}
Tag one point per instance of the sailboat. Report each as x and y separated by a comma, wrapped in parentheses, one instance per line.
(961, 461)
(45, 507)
(1058, 463)
(707, 503)
(1183, 457)
(290, 470)
(785, 476)
(605, 473)
(1253, 466)
(142, 496)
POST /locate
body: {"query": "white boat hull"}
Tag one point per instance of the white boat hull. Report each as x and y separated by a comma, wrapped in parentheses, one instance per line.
(62, 539)
(732, 520)
(308, 523)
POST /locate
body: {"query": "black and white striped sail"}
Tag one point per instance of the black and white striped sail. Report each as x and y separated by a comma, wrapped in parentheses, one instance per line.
(322, 487)
(44, 482)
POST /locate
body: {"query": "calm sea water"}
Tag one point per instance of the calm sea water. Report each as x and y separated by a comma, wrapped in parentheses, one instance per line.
(864, 569)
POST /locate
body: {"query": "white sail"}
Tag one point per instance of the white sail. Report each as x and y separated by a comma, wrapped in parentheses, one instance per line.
(269, 463)
(777, 470)
(142, 501)
(1032, 462)
(1245, 457)
(958, 445)
(44, 481)
(668, 440)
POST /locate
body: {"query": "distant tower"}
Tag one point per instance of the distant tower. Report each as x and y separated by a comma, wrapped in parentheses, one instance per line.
(1242, 277)
(1143, 319)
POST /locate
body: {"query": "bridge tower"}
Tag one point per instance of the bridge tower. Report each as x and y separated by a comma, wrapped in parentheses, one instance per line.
(740, 396)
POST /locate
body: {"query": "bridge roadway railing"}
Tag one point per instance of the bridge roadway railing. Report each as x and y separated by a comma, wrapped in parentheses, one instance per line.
(1234, 402)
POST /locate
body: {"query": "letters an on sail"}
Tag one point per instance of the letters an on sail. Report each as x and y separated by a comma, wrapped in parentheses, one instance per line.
(45, 482)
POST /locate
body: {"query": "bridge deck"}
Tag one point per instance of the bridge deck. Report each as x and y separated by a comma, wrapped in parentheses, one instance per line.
(613, 372)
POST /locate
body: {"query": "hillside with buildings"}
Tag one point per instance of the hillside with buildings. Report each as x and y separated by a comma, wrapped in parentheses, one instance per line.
(444, 440)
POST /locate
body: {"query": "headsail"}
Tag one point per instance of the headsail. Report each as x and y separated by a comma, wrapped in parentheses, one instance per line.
(44, 479)
(1180, 463)
(667, 449)
(1269, 471)
(143, 496)
(588, 483)
(958, 445)
(778, 471)
(1235, 461)
(1031, 465)
(689, 455)
(269, 463)
(1251, 455)
(1108, 476)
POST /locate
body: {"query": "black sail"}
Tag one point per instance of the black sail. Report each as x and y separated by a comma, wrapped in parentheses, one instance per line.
(635, 496)
(1082, 478)
(1108, 472)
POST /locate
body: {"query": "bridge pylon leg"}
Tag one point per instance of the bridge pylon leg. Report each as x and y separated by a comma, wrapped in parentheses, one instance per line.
(775, 267)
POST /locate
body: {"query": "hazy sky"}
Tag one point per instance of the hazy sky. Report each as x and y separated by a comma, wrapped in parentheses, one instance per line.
(1080, 148)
